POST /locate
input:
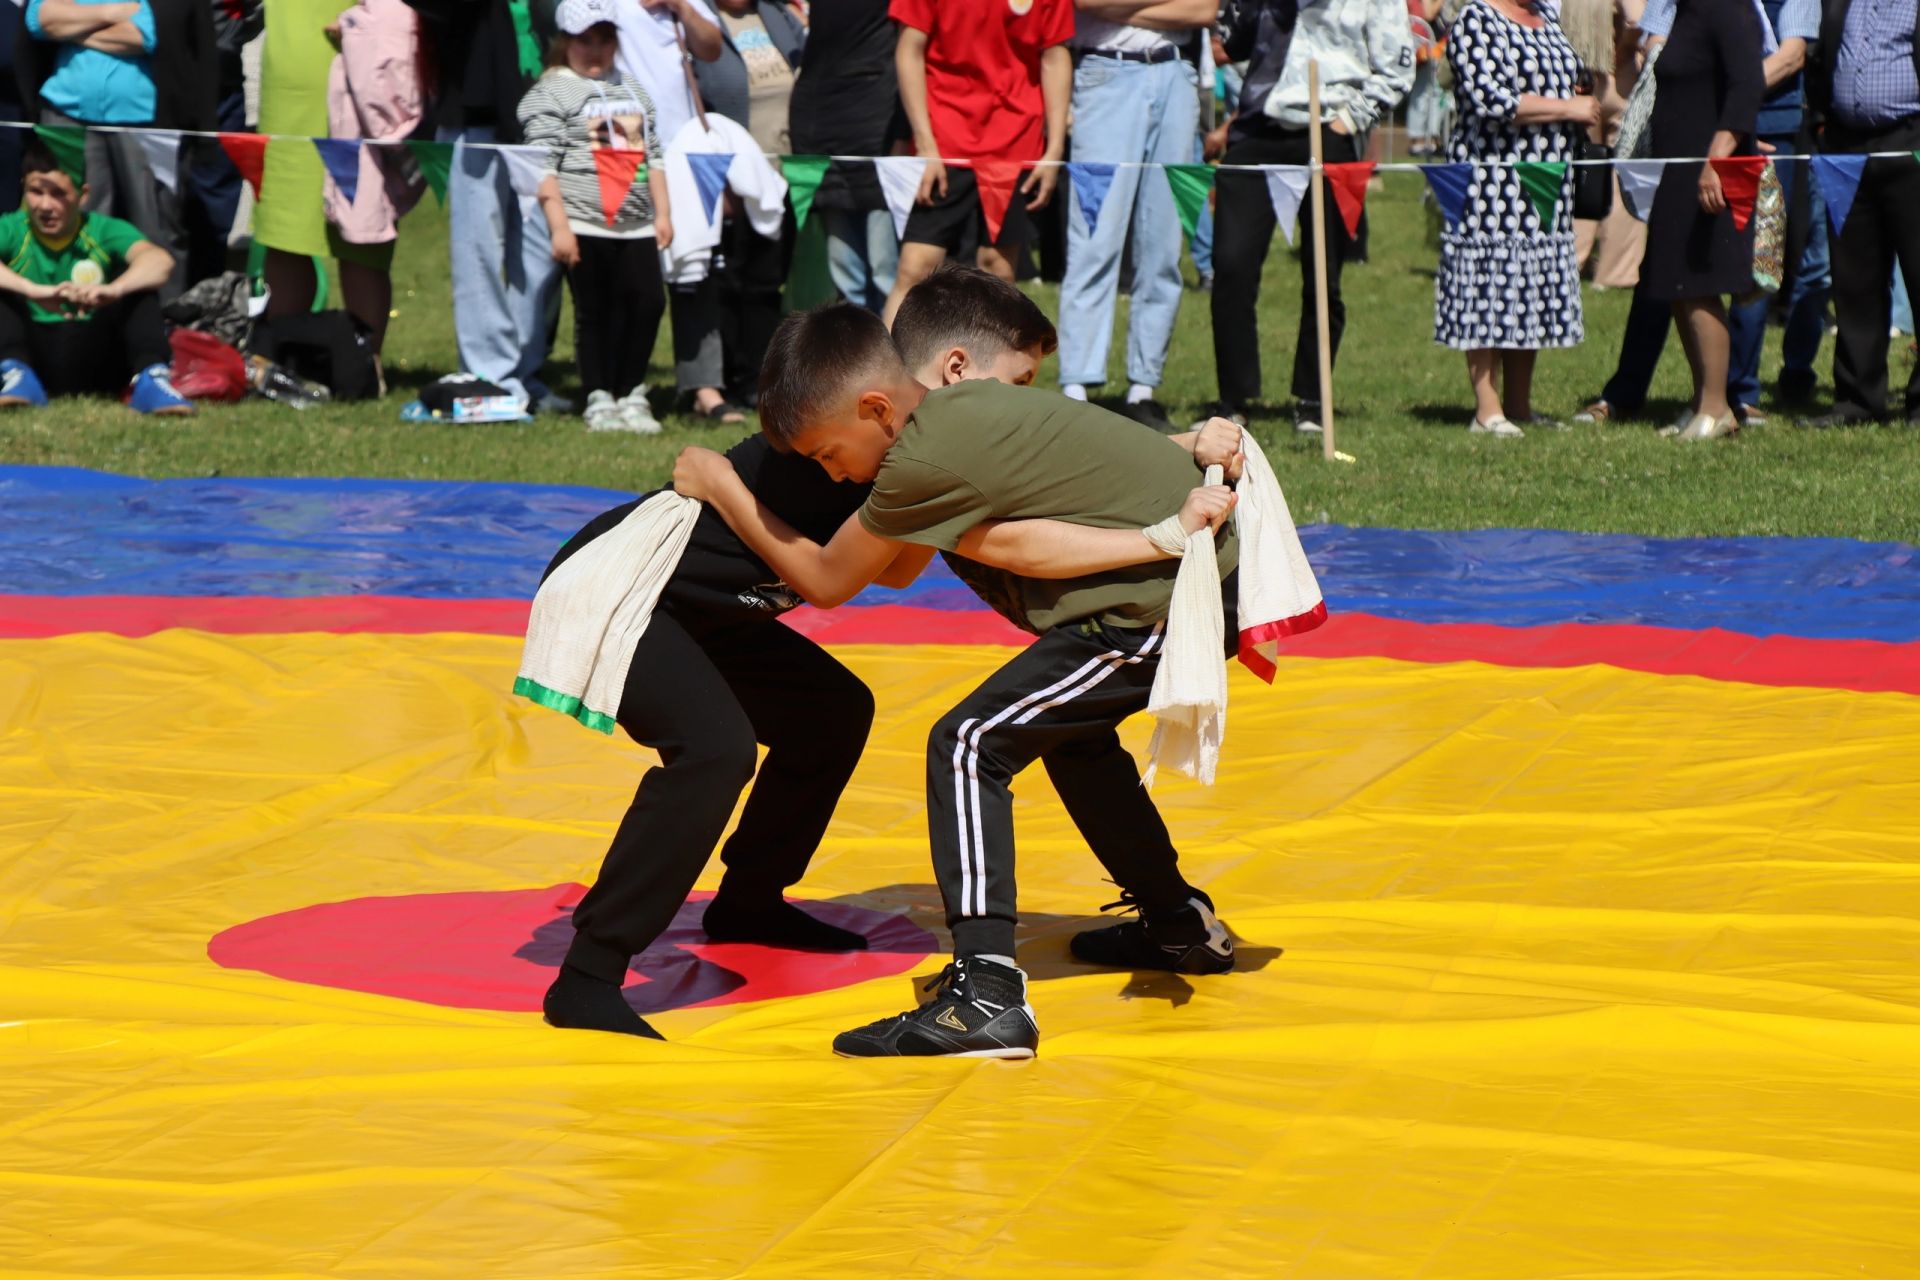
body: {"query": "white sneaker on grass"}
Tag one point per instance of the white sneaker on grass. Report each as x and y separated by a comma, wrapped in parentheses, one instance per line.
(604, 413)
(638, 414)
(1499, 426)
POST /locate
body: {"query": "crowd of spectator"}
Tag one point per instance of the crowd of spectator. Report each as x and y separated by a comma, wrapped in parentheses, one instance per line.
(1018, 88)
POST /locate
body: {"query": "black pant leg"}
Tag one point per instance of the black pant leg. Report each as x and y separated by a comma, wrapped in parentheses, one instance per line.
(1099, 786)
(80, 357)
(1072, 683)
(677, 702)
(595, 294)
(1243, 222)
(813, 716)
(1645, 337)
(143, 337)
(1340, 247)
(15, 322)
(639, 303)
(1862, 271)
(750, 299)
(1901, 194)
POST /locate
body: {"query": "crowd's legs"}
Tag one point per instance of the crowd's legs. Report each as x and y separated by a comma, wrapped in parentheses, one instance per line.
(505, 280)
(1144, 112)
(862, 255)
(1242, 233)
(1882, 228)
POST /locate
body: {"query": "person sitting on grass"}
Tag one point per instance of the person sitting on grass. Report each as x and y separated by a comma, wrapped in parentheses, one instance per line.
(81, 313)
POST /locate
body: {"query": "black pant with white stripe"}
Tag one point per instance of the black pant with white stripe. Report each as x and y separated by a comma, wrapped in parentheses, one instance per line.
(1060, 701)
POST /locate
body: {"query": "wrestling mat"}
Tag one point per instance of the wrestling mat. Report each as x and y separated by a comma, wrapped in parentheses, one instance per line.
(1577, 880)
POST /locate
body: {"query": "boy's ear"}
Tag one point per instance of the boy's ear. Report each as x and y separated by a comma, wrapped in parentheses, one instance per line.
(954, 366)
(877, 407)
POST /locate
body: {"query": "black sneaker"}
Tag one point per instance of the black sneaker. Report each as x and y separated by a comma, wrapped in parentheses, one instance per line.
(1306, 418)
(1189, 940)
(980, 1010)
(1150, 413)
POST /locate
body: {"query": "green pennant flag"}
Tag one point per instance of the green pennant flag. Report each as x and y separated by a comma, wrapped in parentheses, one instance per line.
(803, 174)
(68, 142)
(1543, 184)
(1191, 183)
(436, 162)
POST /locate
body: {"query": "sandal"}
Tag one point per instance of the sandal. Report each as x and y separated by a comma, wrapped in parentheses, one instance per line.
(722, 411)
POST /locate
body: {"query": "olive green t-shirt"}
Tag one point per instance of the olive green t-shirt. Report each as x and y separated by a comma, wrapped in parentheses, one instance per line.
(984, 450)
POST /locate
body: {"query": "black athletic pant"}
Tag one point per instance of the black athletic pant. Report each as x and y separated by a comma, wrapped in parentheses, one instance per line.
(1243, 223)
(1884, 225)
(97, 355)
(723, 323)
(1061, 701)
(617, 304)
(703, 701)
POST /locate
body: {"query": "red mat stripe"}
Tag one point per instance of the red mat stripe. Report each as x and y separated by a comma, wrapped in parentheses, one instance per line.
(1863, 665)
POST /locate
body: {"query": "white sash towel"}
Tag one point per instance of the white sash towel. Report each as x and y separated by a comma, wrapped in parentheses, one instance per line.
(1279, 597)
(589, 614)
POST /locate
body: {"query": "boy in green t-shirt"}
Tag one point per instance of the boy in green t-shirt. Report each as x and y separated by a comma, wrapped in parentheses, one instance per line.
(942, 462)
(78, 307)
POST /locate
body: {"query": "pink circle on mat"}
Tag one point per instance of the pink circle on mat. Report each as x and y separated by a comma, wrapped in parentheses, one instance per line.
(499, 950)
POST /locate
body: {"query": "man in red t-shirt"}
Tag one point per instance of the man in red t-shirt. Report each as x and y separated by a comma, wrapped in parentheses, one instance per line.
(981, 80)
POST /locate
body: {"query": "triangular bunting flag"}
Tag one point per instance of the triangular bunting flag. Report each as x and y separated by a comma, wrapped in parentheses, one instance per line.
(1449, 183)
(1740, 183)
(248, 151)
(900, 183)
(1090, 183)
(68, 142)
(1191, 184)
(803, 175)
(1639, 180)
(526, 166)
(1543, 184)
(1287, 187)
(619, 168)
(1786, 168)
(1349, 185)
(710, 177)
(341, 156)
(161, 147)
(997, 179)
(436, 163)
(1839, 179)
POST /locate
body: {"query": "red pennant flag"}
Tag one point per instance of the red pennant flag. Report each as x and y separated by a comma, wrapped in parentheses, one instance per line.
(248, 151)
(1740, 183)
(618, 168)
(1349, 183)
(997, 179)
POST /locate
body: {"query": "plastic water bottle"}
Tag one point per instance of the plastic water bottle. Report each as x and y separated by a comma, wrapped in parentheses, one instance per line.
(275, 383)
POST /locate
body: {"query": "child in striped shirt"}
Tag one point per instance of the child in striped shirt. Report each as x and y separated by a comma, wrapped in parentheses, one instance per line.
(580, 108)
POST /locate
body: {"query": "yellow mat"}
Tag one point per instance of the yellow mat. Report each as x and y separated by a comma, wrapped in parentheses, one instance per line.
(1548, 973)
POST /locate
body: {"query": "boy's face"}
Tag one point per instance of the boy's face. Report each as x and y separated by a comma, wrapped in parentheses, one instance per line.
(1017, 367)
(53, 204)
(852, 442)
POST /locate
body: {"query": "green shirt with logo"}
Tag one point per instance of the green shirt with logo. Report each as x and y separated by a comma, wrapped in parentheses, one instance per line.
(984, 450)
(96, 254)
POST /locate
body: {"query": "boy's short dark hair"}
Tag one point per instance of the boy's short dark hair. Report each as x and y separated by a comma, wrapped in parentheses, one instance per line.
(37, 157)
(812, 358)
(966, 307)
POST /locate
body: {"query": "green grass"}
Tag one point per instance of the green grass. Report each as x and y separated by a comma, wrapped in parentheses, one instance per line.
(1403, 405)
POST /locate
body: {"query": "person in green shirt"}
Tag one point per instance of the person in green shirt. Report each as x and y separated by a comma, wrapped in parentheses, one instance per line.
(942, 462)
(79, 311)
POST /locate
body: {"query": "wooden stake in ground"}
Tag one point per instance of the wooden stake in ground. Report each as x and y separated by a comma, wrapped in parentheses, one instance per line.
(1320, 319)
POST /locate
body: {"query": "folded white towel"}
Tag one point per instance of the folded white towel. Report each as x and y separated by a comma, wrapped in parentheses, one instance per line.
(592, 610)
(1279, 597)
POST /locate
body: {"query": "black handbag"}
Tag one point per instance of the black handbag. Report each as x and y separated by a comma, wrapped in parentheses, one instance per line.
(1592, 183)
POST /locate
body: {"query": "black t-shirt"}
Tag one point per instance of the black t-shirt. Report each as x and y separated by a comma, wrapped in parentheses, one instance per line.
(719, 579)
(846, 101)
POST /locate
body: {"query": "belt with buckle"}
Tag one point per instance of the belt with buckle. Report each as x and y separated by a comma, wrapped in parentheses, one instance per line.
(1164, 53)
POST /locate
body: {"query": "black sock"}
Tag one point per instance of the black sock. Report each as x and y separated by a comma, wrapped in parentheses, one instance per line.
(775, 924)
(587, 1003)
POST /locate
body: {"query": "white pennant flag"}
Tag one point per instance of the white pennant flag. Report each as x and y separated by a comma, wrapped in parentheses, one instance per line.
(900, 183)
(526, 166)
(1639, 179)
(162, 150)
(1287, 185)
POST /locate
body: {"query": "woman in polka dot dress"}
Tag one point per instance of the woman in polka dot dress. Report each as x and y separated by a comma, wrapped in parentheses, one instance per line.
(1508, 283)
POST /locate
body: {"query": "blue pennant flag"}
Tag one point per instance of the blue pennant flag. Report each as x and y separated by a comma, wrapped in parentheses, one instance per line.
(1449, 183)
(710, 176)
(1091, 183)
(341, 156)
(1838, 178)
(1786, 170)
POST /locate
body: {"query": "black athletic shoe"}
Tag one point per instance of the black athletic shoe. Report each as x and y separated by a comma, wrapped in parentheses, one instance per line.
(980, 1010)
(1151, 413)
(1189, 940)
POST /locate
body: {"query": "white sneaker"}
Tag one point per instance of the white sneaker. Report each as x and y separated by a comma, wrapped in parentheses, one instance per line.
(638, 413)
(1499, 426)
(604, 413)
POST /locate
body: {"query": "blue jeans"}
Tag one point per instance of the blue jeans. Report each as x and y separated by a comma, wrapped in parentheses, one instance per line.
(1202, 244)
(505, 281)
(1427, 104)
(1806, 310)
(862, 255)
(1128, 112)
